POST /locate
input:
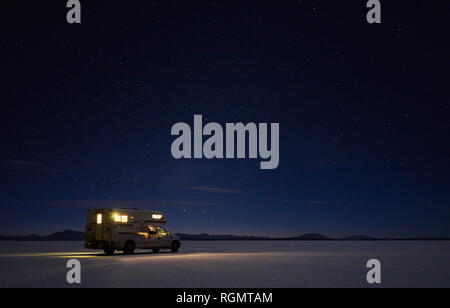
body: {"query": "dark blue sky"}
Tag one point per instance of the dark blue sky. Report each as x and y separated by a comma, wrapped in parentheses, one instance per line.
(363, 110)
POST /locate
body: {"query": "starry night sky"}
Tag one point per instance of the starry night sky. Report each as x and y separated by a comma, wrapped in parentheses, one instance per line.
(86, 114)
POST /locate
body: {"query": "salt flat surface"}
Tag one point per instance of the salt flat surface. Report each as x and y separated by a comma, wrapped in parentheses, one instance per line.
(230, 264)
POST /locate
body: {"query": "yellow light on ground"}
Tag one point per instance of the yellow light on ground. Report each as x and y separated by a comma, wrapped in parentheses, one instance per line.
(77, 257)
(99, 219)
(52, 254)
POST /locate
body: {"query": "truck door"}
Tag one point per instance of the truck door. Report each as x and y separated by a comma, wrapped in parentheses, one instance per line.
(99, 228)
(152, 240)
(94, 227)
(164, 240)
(103, 230)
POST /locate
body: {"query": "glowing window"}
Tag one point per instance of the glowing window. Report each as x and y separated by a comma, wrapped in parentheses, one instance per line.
(157, 216)
(120, 218)
(99, 219)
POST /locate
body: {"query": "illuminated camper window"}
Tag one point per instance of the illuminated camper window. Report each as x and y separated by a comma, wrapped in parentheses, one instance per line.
(99, 219)
(120, 218)
(157, 216)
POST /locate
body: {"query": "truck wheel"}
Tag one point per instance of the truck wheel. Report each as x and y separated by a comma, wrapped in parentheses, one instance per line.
(109, 251)
(175, 246)
(156, 250)
(129, 248)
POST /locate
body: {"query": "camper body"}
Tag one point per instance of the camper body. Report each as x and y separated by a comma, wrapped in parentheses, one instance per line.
(126, 230)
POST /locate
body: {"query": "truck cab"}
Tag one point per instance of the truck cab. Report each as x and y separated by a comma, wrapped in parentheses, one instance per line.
(127, 230)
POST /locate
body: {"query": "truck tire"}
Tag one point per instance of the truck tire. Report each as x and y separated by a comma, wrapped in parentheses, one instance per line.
(129, 248)
(109, 251)
(155, 250)
(175, 246)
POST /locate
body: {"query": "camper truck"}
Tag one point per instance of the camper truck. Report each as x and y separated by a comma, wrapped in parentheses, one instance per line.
(128, 229)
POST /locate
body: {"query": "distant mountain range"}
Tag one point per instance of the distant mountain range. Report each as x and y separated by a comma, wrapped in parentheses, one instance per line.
(69, 235)
(231, 237)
